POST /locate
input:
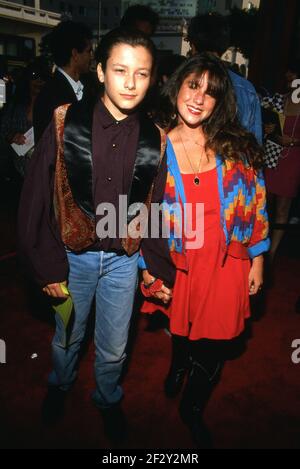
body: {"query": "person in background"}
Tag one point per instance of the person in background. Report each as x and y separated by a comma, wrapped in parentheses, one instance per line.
(70, 47)
(141, 18)
(283, 181)
(211, 33)
(17, 117)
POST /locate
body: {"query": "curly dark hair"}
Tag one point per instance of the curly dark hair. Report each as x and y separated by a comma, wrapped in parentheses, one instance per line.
(65, 37)
(224, 133)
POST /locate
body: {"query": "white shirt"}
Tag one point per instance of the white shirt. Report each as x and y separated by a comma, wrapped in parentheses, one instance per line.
(76, 85)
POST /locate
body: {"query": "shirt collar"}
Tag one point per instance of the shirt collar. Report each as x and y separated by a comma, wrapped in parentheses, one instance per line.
(107, 119)
(76, 85)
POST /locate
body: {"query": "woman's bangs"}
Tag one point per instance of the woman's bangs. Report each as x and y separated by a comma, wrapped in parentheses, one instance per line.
(215, 86)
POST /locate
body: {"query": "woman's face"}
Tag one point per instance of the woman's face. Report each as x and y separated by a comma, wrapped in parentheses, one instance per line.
(126, 78)
(194, 104)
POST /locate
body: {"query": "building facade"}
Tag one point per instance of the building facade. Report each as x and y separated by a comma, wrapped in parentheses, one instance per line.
(85, 11)
(224, 6)
(21, 29)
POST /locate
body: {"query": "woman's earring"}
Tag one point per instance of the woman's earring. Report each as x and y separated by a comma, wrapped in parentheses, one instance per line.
(174, 116)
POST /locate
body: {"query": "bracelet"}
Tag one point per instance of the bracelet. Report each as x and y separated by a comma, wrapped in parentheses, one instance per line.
(148, 285)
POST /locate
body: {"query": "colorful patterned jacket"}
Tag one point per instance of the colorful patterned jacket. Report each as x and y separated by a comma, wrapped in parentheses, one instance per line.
(244, 216)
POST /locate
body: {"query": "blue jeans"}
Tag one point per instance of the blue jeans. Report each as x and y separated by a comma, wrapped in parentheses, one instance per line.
(112, 280)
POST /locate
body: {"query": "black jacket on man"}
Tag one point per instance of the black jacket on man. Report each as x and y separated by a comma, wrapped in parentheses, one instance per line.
(57, 91)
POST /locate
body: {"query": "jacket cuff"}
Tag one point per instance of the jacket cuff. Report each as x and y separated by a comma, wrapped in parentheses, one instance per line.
(142, 263)
(259, 248)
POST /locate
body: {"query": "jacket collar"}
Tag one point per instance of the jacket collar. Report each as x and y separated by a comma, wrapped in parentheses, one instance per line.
(107, 120)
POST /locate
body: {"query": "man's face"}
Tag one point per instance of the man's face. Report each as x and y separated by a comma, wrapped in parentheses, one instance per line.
(83, 59)
(126, 78)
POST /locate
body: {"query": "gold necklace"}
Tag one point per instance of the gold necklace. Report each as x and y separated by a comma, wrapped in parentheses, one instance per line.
(195, 142)
(196, 178)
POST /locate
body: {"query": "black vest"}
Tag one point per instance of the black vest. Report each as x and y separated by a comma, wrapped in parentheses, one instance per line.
(79, 165)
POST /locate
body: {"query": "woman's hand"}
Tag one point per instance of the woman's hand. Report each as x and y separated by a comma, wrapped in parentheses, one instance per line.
(164, 294)
(55, 291)
(256, 275)
(18, 139)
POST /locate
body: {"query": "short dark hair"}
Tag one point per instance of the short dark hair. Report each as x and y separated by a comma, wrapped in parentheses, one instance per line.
(65, 37)
(121, 36)
(209, 33)
(137, 13)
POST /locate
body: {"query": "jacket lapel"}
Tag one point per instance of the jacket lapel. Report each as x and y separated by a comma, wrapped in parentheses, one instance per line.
(146, 165)
(79, 165)
(78, 153)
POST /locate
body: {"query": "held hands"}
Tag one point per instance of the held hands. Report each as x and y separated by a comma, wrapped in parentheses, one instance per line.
(164, 294)
(256, 275)
(56, 290)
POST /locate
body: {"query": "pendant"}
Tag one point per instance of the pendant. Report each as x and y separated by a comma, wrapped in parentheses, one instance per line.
(196, 181)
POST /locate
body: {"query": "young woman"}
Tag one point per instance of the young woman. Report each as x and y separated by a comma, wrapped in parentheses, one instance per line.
(213, 165)
(92, 154)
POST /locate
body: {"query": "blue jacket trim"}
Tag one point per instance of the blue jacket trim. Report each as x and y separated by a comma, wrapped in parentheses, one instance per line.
(259, 248)
(142, 263)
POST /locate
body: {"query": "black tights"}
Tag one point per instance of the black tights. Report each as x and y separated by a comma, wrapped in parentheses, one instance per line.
(205, 353)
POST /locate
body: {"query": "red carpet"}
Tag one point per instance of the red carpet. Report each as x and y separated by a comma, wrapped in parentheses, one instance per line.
(256, 405)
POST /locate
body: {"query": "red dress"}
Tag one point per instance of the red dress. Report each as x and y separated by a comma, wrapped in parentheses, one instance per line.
(210, 300)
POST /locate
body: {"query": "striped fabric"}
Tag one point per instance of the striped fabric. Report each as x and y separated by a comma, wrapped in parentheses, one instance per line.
(243, 211)
(242, 202)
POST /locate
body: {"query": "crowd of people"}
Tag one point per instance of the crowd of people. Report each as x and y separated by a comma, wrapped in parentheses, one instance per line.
(186, 133)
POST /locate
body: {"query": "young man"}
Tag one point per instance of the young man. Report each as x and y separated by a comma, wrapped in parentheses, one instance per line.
(100, 151)
(70, 46)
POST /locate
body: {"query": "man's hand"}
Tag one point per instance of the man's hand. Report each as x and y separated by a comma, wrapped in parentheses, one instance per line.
(55, 291)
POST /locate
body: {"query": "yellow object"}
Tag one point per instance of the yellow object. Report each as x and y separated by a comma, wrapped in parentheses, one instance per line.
(64, 289)
(64, 308)
(281, 120)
